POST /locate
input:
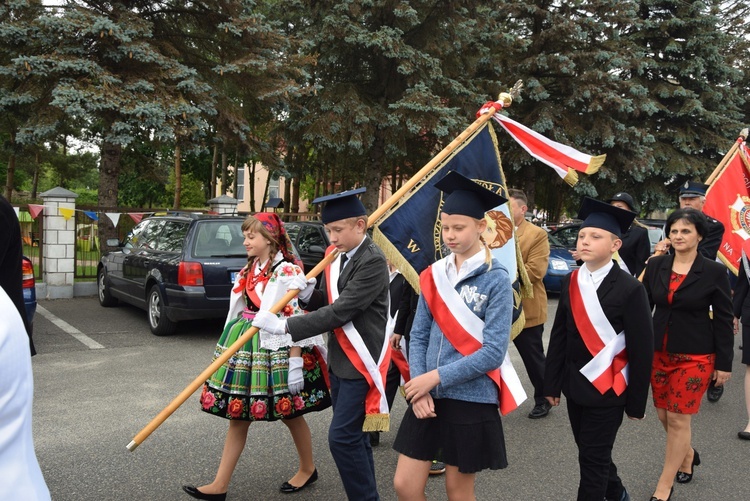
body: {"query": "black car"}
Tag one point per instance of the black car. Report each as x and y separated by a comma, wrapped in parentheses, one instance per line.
(176, 267)
(310, 239)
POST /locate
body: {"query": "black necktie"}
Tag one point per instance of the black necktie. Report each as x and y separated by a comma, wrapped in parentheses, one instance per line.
(344, 257)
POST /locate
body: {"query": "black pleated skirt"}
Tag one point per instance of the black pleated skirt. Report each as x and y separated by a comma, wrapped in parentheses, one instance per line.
(467, 435)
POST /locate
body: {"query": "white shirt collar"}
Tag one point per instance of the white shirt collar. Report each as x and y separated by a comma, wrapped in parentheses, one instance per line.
(597, 276)
(350, 253)
(471, 264)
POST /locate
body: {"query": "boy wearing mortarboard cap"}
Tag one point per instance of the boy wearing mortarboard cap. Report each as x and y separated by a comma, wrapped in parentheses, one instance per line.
(353, 310)
(458, 340)
(600, 349)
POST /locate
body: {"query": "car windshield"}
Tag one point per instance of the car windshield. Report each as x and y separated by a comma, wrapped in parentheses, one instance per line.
(221, 238)
(554, 241)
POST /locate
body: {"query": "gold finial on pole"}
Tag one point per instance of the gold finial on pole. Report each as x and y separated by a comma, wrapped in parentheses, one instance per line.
(506, 98)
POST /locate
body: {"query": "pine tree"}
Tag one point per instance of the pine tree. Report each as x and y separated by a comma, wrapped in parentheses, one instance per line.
(393, 81)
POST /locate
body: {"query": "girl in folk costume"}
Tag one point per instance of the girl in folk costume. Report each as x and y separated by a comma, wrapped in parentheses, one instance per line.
(600, 349)
(458, 339)
(270, 378)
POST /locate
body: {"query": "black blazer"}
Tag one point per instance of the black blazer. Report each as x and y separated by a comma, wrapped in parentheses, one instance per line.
(636, 248)
(691, 328)
(11, 251)
(741, 298)
(625, 305)
(363, 300)
(407, 308)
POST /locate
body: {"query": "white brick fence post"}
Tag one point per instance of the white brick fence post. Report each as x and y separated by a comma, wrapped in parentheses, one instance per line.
(59, 244)
(224, 205)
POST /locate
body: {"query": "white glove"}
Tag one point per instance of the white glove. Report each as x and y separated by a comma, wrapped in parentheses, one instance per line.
(270, 323)
(305, 286)
(295, 380)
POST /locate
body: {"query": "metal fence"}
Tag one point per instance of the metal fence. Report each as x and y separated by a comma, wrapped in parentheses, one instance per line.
(32, 238)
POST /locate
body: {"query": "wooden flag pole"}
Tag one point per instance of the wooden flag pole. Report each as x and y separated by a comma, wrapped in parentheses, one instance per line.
(505, 99)
(724, 161)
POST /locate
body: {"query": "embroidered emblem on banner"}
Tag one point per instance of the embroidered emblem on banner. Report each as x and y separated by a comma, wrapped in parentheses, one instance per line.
(740, 217)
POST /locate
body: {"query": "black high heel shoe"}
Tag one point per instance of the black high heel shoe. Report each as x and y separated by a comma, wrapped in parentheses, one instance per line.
(287, 488)
(684, 478)
(197, 494)
(654, 498)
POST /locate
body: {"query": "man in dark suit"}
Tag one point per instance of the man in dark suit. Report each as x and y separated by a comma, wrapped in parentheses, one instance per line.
(602, 311)
(636, 246)
(693, 195)
(11, 252)
(534, 246)
(353, 310)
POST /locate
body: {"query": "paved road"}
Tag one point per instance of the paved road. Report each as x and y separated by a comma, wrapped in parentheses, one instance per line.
(101, 376)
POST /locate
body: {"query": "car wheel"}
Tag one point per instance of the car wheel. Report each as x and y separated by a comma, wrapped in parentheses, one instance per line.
(157, 317)
(105, 298)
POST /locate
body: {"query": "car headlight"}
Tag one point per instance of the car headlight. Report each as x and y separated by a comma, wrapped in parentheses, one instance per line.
(559, 264)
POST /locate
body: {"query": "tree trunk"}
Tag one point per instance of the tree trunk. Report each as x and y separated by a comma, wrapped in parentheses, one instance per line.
(223, 172)
(109, 171)
(11, 167)
(214, 164)
(287, 193)
(35, 180)
(236, 173)
(265, 191)
(294, 201)
(251, 184)
(373, 176)
(177, 177)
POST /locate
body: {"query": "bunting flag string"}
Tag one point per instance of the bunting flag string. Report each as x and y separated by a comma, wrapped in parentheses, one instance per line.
(67, 213)
(114, 217)
(34, 210)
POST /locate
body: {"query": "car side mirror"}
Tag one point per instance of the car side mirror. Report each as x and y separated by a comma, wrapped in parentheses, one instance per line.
(316, 249)
(113, 242)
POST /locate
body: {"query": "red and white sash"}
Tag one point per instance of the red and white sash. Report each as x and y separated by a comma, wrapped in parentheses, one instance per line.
(350, 340)
(464, 330)
(609, 367)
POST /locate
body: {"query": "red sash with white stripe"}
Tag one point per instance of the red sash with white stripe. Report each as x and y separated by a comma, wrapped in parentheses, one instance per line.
(609, 367)
(350, 340)
(463, 329)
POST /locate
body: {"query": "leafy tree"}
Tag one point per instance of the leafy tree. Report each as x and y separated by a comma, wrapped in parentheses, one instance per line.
(108, 68)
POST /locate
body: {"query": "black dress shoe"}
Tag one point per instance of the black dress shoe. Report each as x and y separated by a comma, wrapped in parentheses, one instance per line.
(540, 410)
(654, 498)
(684, 478)
(714, 393)
(744, 435)
(197, 494)
(287, 488)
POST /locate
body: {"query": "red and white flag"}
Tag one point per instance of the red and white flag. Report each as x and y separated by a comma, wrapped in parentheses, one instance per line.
(566, 161)
(728, 200)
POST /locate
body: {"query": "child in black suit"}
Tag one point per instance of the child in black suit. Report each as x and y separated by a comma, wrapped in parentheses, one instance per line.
(600, 349)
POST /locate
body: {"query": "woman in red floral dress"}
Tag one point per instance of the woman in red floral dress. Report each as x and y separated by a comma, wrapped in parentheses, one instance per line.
(270, 378)
(693, 339)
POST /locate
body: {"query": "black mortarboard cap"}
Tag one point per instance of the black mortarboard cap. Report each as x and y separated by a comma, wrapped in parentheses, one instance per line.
(465, 197)
(341, 205)
(692, 189)
(597, 214)
(623, 197)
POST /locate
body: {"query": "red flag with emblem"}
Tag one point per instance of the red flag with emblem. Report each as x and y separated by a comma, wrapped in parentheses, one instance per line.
(728, 200)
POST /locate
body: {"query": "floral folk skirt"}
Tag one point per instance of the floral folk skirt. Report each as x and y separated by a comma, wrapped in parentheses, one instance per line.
(679, 380)
(252, 384)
